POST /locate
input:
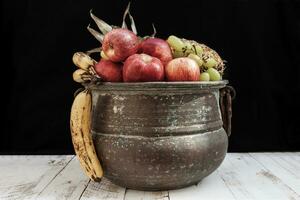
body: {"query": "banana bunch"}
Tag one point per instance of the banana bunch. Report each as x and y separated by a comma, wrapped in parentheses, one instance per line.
(86, 71)
(80, 124)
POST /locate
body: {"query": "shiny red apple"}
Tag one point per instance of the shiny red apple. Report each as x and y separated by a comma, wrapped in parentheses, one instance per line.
(158, 48)
(182, 69)
(120, 43)
(142, 68)
(109, 71)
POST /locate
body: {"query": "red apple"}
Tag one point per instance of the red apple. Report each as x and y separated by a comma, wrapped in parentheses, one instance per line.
(142, 68)
(120, 43)
(157, 48)
(109, 71)
(182, 69)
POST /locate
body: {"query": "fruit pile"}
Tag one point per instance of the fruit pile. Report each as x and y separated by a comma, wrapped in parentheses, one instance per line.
(126, 57)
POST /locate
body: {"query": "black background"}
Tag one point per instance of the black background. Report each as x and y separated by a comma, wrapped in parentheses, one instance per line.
(260, 41)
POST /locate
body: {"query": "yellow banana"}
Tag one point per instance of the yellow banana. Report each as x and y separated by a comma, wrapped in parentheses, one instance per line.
(81, 76)
(83, 60)
(80, 124)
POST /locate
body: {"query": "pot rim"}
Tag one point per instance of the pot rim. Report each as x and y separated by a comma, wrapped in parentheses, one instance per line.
(158, 85)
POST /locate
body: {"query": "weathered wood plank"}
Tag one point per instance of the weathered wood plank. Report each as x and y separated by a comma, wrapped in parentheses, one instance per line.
(105, 190)
(146, 195)
(248, 179)
(289, 161)
(273, 163)
(24, 177)
(241, 176)
(68, 184)
(210, 188)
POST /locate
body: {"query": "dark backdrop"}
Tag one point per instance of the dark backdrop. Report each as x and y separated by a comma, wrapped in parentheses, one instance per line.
(260, 42)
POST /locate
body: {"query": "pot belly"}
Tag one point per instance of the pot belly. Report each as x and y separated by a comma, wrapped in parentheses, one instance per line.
(160, 163)
(158, 141)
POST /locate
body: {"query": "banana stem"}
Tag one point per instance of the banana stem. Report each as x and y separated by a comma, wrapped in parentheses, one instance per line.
(78, 91)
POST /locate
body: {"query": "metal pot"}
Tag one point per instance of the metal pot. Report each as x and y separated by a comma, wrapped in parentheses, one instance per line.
(160, 135)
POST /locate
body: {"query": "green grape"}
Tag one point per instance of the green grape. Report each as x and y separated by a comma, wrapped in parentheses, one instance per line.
(103, 55)
(198, 51)
(177, 54)
(196, 58)
(204, 76)
(175, 42)
(214, 74)
(209, 63)
(188, 48)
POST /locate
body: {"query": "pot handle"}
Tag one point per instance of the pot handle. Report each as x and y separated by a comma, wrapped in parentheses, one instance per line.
(227, 94)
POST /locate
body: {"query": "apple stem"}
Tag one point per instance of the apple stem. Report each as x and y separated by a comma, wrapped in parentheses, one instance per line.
(96, 34)
(102, 25)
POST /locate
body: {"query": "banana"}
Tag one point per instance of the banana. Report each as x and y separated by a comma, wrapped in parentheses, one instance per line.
(80, 125)
(83, 60)
(81, 76)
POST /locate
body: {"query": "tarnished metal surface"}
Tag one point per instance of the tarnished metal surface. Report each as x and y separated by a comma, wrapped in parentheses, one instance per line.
(227, 94)
(158, 136)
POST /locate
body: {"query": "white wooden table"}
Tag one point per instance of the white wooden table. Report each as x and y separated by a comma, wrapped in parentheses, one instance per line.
(242, 176)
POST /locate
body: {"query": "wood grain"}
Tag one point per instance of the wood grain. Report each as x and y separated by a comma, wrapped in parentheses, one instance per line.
(248, 179)
(212, 187)
(68, 184)
(24, 177)
(282, 169)
(146, 195)
(255, 176)
(105, 190)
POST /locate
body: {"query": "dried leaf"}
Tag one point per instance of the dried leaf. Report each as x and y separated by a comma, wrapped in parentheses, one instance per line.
(96, 34)
(102, 25)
